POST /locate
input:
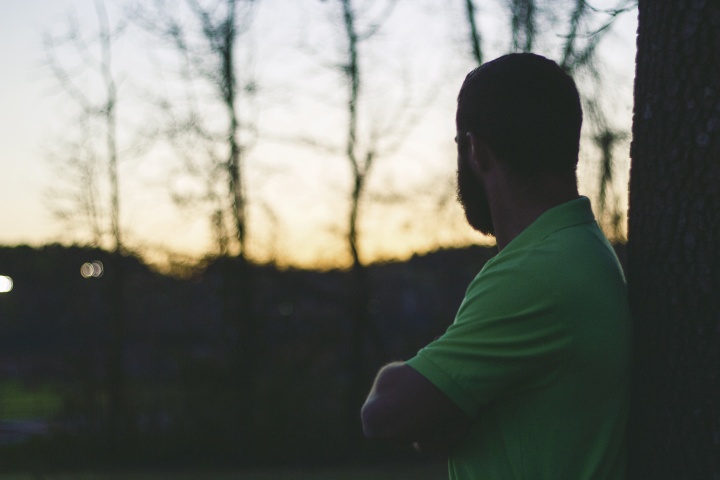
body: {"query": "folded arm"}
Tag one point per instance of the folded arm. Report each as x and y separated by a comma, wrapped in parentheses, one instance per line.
(405, 407)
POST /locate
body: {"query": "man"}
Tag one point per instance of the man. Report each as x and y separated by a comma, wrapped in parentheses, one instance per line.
(531, 381)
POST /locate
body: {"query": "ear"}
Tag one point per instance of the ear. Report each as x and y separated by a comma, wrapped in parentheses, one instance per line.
(482, 158)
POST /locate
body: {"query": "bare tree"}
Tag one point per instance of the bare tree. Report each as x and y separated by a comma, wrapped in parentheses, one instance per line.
(366, 140)
(92, 168)
(579, 56)
(90, 160)
(361, 154)
(206, 40)
(74, 198)
(206, 37)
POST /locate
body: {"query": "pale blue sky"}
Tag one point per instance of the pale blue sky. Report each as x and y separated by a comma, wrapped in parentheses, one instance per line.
(21, 124)
(307, 202)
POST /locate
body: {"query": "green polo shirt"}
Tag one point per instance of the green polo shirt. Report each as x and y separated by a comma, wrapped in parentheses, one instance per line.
(539, 357)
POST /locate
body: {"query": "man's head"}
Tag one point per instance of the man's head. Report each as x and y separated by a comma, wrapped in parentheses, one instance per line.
(526, 110)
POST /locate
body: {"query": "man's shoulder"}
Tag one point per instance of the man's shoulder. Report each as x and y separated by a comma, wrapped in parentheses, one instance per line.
(574, 246)
(570, 259)
(508, 283)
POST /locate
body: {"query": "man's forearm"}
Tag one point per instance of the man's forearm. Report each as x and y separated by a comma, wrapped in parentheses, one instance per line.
(378, 416)
(404, 407)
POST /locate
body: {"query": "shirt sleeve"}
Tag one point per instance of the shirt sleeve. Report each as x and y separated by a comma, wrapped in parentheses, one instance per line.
(507, 336)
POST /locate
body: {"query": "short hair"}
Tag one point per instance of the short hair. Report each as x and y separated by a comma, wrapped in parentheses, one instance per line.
(527, 109)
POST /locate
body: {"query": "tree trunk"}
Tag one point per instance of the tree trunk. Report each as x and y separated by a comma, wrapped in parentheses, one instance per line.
(119, 418)
(120, 421)
(674, 233)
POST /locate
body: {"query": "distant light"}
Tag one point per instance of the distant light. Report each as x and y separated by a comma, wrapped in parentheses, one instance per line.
(86, 270)
(6, 284)
(92, 269)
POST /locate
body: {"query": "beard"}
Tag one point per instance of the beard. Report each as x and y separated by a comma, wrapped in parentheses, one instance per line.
(473, 198)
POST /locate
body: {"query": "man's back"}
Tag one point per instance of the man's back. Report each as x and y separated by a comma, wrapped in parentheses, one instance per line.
(539, 356)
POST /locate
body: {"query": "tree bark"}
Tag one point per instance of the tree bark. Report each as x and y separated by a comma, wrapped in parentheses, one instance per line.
(674, 233)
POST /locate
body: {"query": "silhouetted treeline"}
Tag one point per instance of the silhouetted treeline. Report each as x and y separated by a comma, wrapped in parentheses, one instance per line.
(181, 394)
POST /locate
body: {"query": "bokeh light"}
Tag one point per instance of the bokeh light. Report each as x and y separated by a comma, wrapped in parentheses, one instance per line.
(92, 269)
(6, 284)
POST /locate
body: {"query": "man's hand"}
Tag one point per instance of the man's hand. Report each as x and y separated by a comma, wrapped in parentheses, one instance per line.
(405, 407)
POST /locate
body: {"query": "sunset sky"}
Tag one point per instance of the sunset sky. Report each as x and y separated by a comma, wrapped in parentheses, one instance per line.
(298, 195)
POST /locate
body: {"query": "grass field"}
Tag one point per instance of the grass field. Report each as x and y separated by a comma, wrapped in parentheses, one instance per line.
(18, 401)
(435, 471)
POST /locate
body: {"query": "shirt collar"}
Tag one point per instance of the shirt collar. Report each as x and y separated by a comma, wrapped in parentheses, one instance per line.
(569, 214)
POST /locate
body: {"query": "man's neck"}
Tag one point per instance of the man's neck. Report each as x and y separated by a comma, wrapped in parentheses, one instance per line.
(516, 207)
